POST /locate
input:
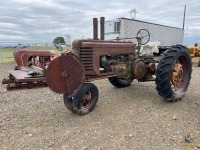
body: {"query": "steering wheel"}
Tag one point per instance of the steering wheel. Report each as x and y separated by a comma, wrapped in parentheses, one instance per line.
(58, 47)
(143, 37)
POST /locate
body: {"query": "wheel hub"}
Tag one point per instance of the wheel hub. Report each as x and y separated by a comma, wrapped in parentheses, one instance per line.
(86, 99)
(177, 74)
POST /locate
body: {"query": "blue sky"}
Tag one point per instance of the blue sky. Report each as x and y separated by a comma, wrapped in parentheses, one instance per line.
(40, 21)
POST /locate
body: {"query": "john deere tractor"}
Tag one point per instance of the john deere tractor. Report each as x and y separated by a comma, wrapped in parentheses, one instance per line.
(120, 62)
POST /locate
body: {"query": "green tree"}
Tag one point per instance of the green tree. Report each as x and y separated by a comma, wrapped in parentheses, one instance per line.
(59, 40)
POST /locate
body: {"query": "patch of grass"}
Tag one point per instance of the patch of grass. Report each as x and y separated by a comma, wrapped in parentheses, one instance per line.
(6, 55)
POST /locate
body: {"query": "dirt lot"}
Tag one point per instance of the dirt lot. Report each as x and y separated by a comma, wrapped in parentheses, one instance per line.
(131, 118)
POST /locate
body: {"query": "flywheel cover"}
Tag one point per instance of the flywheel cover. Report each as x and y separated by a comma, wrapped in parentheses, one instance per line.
(65, 74)
(139, 69)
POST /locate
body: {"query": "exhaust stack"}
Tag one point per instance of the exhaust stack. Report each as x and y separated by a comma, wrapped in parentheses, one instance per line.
(102, 28)
(95, 28)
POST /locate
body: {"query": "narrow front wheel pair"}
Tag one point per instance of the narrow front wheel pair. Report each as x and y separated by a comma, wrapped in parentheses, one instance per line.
(84, 101)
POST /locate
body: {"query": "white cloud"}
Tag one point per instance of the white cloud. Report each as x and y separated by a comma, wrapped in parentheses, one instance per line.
(41, 21)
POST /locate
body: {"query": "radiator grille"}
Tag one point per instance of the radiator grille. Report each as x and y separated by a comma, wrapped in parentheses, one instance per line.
(86, 56)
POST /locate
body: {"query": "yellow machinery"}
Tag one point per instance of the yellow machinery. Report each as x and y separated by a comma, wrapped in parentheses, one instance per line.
(195, 52)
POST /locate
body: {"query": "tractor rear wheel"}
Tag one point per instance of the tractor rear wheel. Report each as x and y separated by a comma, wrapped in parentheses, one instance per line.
(173, 73)
(119, 83)
(86, 99)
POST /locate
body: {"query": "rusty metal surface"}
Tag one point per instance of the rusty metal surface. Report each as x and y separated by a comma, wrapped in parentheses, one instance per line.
(65, 74)
(22, 56)
(19, 79)
(89, 52)
(22, 76)
(101, 46)
(108, 44)
(139, 69)
(86, 57)
(7, 81)
(151, 68)
(25, 85)
(102, 28)
(74, 44)
(54, 78)
(177, 74)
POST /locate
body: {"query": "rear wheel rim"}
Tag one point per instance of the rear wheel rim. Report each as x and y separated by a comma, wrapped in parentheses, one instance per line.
(180, 74)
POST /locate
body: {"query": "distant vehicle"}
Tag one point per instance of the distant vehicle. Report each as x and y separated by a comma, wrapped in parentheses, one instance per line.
(126, 29)
(21, 46)
(195, 52)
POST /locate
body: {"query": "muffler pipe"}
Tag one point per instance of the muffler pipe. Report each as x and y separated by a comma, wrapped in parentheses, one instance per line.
(95, 28)
(102, 28)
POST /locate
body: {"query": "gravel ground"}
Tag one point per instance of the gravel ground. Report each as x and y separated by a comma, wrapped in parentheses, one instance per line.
(131, 118)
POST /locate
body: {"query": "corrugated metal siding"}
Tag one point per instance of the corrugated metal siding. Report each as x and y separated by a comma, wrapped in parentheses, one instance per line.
(166, 35)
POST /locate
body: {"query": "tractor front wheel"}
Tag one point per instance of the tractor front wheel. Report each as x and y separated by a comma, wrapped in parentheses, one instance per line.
(173, 73)
(86, 99)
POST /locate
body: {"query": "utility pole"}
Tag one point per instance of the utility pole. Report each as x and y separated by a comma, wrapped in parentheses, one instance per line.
(133, 11)
(184, 18)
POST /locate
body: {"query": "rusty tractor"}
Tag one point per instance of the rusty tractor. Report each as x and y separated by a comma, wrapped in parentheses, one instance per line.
(30, 69)
(119, 61)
